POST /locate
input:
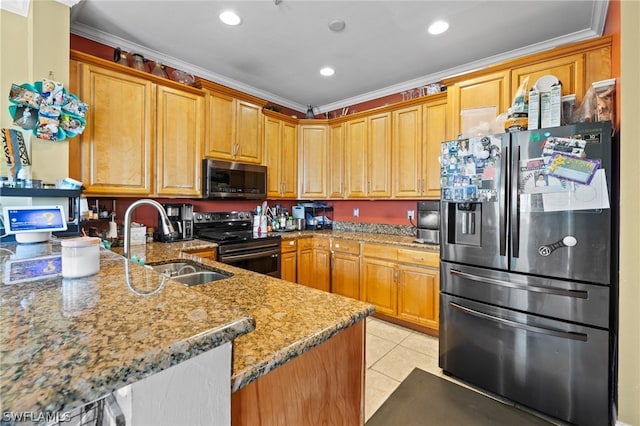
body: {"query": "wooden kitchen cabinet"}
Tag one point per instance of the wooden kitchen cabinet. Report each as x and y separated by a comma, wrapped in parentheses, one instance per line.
(143, 135)
(281, 157)
(345, 268)
(314, 161)
(233, 124)
(314, 263)
(419, 287)
(576, 65)
(117, 146)
(336, 161)
(368, 156)
(486, 90)
(418, 131)
(288, 260)
(575, 71)
(208, 253)
(434, 124)
(179, 140)
(403, 284)
(379, 283)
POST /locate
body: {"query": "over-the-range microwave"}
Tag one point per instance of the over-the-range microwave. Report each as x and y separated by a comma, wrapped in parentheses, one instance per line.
(225, 179)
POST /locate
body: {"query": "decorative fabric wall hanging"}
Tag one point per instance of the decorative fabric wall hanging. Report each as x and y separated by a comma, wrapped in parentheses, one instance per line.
(15, 151)
(47, 110)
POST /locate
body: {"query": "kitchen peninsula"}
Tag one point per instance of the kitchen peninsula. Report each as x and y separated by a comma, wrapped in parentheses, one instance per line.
(69, 342)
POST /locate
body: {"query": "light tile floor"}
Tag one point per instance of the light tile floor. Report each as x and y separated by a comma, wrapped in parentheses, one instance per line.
(392, 352)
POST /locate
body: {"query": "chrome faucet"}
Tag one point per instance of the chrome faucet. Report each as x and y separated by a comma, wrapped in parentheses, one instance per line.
(165, 223)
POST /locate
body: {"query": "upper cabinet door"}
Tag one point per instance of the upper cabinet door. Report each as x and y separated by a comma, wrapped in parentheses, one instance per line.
(272, 156)
(379, 155)
(248, 133)
(356, 157)
(117, 146)
(281, 158)
(435, 126)
(483, 91)
(180, 122)
(221, 123)
(336, 159)
(407, 152)
(289, 150)
(313, 161)
(569, 70)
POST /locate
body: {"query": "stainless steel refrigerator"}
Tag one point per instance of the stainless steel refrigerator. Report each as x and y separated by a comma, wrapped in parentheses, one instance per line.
(529, 266)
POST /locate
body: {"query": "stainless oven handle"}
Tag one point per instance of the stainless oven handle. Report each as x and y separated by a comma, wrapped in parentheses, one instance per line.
(579, 294)
(253, 255)
(557, 333)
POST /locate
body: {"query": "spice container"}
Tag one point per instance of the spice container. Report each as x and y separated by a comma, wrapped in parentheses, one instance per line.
(80, 257)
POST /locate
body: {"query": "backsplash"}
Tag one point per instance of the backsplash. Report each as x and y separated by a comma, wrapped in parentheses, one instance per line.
(375, 228)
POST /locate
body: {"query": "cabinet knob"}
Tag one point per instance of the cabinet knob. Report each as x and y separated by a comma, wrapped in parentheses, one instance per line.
(291, 243)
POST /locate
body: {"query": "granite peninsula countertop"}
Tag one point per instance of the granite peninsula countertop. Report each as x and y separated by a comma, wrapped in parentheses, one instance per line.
(289, 318)
(64, 343)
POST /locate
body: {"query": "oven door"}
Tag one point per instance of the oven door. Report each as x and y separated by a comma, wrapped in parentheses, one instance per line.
(264, 259)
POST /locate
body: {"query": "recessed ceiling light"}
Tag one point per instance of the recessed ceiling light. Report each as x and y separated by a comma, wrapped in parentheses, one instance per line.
(438, 27)
(230, 18)
(327, 71)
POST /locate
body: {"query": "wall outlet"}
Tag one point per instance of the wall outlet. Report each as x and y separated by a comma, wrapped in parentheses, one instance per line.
(410, 214)
(356, 212)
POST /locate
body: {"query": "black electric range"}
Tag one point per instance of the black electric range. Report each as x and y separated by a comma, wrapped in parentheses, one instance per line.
(238, 245)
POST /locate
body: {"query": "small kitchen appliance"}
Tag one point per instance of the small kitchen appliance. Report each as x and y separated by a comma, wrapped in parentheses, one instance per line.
(181, 217)
(428, 222)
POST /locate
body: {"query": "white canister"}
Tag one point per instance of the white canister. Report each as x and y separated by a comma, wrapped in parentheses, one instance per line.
(80, 257)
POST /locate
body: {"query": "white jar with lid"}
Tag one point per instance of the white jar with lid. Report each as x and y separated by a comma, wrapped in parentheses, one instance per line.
(80, 257)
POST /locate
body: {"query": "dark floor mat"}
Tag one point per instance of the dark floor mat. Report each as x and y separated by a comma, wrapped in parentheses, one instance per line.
(425, 399)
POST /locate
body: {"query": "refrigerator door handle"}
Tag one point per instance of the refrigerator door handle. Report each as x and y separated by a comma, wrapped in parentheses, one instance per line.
(551, 332)
(579, 294)
(515, 201)
(503, 201)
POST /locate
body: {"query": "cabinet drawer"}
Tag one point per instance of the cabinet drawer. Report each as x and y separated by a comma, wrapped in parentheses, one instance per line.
(345, 246)
(321, 243)
(382, 251)
(287, 246)
(419, 257)
(305, 243)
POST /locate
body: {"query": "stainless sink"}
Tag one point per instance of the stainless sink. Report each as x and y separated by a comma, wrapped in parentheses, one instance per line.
(203, 277)
(189, 272)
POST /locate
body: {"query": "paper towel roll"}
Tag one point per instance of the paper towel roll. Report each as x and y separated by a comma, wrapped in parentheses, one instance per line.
(113, 230)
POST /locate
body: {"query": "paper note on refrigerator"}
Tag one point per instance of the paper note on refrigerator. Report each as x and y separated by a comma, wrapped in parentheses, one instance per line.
(582, 197)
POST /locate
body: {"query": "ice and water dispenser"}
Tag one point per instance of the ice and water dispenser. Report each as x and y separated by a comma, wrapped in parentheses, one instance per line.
(464, 223)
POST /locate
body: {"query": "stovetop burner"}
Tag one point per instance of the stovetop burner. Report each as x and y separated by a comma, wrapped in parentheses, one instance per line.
(227, 227)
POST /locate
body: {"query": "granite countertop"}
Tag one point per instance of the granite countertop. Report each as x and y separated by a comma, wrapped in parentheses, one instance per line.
(67, 342)
(367, 237)
(64, 343)
(289, 318)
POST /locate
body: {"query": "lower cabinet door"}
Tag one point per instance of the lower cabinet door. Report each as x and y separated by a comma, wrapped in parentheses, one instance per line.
(379, 285)
(345, 275)
(418, 291)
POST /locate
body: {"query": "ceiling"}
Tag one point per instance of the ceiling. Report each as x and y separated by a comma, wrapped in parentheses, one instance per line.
(278, 49)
